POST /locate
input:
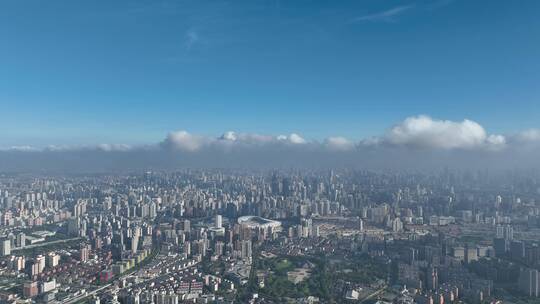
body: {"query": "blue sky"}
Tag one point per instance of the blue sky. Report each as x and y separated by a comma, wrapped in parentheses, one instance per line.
(87, 72)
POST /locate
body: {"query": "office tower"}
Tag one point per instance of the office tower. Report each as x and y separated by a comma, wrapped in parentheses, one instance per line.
(187, 226)
(200, 247)
(507, 232)
(218, 221)
(16, 263)
(316, 231)
(47, 286)
(432, 278)
(397, 225)
(30, 289)
(5, 247)
(84, 253)
(73, 226)
(500, 232)
(517, 250)
(218, 248)
(21, 240)
(135, 240)
(52, 260)
(299, 231)
(360, 225)
(152, 210)
(471, 254)
(501, 246)
(40, 261)
(187, 248)
(246, 249)
(529, 283)
(498, 202)
(79, 208)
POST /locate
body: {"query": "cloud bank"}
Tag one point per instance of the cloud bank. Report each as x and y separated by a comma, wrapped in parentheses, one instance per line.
(425, 132)
(417, 142)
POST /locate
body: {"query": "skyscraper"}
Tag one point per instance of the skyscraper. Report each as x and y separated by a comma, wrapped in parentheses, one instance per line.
(218, 221)
(529, 282)
(5, 247)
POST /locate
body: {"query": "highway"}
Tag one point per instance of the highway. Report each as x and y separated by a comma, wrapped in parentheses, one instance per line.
(86, 295)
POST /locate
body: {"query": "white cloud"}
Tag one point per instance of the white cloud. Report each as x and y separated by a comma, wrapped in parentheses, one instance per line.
(99, 147)
(296, 139)
(20, 149)
(191, 38)
(386, 16)
(528, 136)
(372, 141)
(417, 132)
(293, 138)
(496, 140)
(338, 143)
(71, 148)
(184, 141)
(425, 132)
(252, 138)
(230, 135)
(114, 147)
(245, 138)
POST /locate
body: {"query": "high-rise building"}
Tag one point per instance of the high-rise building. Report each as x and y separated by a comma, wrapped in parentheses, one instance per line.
(218, 221)
(200, 246)
(187, 248)
(187, 226)
(30, 289)
(397, 225)
(7, 218)
(508, 233)
(84, 253)
(499, 232)
(246, 249)
(152, 210)
(79, 208)
(517, 250)
(432, 278)
(20, 240)
(47, 286)
(360, 225)
(316, 231)
(31, 267)
(135, 240)
(529, 282)
(501, 246)
(5, 247)
(52, 260)
(40, 260)
(73, 226)
(17, 263)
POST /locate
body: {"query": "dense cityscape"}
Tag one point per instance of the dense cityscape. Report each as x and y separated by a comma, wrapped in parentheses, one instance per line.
(225, 236)
(269, 152)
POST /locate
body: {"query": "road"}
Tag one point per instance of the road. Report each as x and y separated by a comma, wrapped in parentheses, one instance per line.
(374, 294)
(86, 295)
